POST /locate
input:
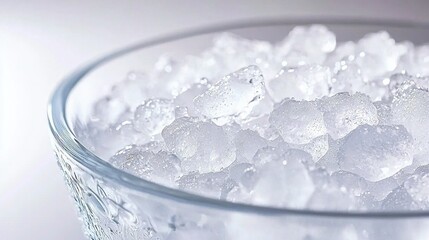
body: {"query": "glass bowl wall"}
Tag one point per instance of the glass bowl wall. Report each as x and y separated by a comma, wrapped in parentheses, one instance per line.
(116, 205)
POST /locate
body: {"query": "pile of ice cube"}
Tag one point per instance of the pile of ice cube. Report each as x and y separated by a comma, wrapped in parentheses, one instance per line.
(303, 123)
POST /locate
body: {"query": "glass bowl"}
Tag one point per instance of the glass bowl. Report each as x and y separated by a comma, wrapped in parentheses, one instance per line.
(116, 205)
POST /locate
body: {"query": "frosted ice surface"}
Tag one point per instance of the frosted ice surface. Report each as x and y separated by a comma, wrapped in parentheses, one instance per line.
(398, 200)
(347, 78)
(409, 108)
(300, 83)
(344, 112)
(304, 123)
(312, 43)
(378, 53)
(384, 112)
(108, 110)
(186, 98)
(201, 146)
(245, 174)
(208, 184)
(382, 151)
(288, 174)
(236, 52)
(332, 198)
(247, 142)
(298, 121)
(148, 162)
(131, 91)
(417, 186)
(232, 94)
(350, 182)
(415, 61)
(153, 115)
(317, 147)
(268, 154)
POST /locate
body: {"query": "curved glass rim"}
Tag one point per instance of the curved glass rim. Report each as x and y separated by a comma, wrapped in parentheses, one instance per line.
(66, 139)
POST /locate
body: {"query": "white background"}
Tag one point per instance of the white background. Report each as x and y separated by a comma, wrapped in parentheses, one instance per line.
(41, 41)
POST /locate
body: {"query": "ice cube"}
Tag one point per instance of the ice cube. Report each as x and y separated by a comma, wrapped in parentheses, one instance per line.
(417, 187)
(108, 110)
(211, 184)
(350, 182)
(285, 181)
(247, 143)
(186, 98)
(245, 174)
(398, 200)
(332, 198)
(268, 154)
(344, 112)
(232, 94)
(378, 53)
(402, 81)
(384, 112)
(235, 52)
(132, 90)
(201, 146)
(415, 61)
(330, 160)
(298, 121)
(313, 42)
(153, 115)
(348, 78)
(148, 162)
(317, 147)
(409, 108)
(301, 83)
(376, 152)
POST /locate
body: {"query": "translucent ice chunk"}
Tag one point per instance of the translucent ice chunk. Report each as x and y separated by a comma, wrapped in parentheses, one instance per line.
(330, 160)
(343, 112)
(245, 174)
(298, 121)
(415, 61)
(317, 147)
(234, 52)
(417, 186)
(398, 200)
(232, 94)
(131, 91)
(332, 198)
(153, 115)
(186, 98)
(313, 42)
(202, 146)
(350, 182)
(402, 81)
(208, 184)
(148, 162)
(384, 112)
(376, 152)
(301, 83)
(268, 154)
(409, 108)
(378, 53)
(285, 181)
(247, 142)
(348, 78)
(108, 110)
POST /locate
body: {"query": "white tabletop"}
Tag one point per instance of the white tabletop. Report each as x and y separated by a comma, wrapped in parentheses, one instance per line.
(41, 41)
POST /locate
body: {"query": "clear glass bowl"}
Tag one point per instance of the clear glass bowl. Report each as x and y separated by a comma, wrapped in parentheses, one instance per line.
(116, 205)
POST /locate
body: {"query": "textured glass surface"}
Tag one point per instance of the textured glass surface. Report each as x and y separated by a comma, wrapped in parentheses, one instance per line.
(115, 205)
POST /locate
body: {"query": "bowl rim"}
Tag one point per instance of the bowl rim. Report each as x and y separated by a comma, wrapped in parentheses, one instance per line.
(65, 138)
